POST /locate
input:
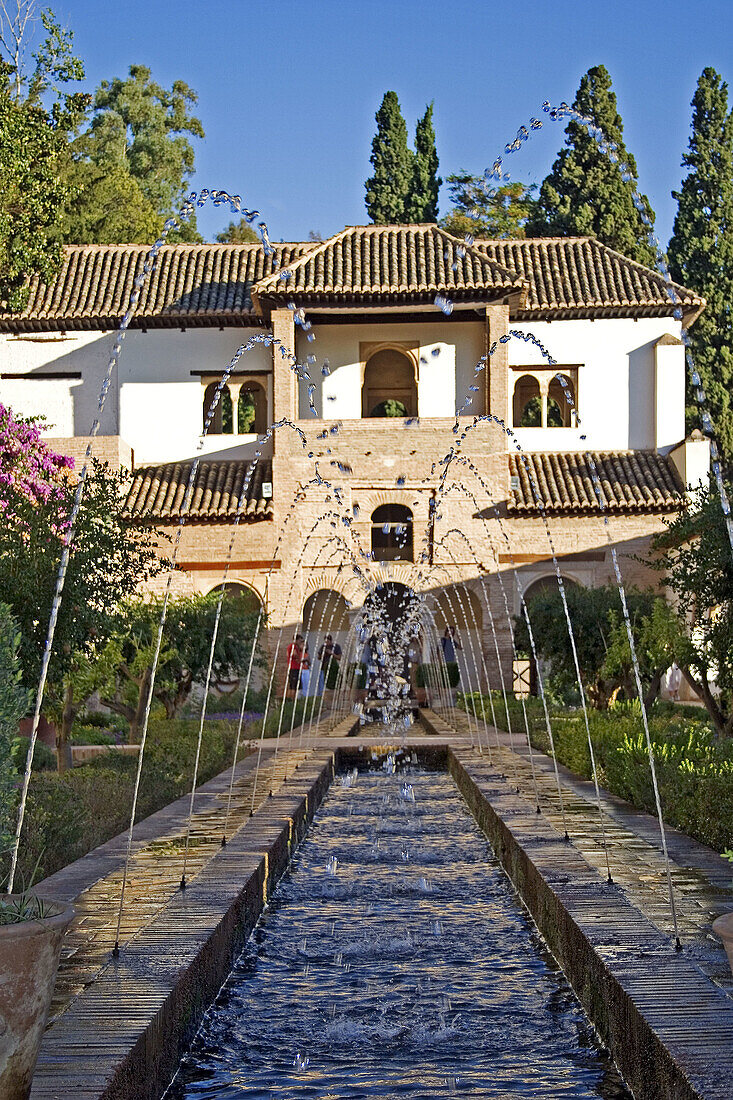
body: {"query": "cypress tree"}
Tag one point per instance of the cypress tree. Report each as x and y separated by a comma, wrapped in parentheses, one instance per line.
(585, 193)
(701, 249)
(387, 191)
(422, 204)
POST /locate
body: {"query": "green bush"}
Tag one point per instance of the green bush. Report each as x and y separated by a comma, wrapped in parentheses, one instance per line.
(694, 769)
(44, 759)
(68, 814)
(429, 674)
(91, 735)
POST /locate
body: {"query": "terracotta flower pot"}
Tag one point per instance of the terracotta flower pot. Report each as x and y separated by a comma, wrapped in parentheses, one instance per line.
(29, 959)
(723, 927)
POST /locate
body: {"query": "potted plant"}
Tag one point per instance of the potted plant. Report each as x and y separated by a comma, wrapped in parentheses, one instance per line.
(31, 933)
(31, 928)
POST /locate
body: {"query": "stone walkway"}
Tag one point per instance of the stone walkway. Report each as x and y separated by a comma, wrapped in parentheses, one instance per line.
(94, 882)
(702, 880)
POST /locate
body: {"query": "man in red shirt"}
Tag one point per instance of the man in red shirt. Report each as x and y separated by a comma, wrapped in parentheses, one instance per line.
(296, 654)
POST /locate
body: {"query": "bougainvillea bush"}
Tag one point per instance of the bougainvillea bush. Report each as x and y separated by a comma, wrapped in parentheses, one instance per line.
(31, 473)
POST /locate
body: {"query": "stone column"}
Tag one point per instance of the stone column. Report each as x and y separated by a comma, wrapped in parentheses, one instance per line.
(284, 380)
(497, 376)
(234, 388)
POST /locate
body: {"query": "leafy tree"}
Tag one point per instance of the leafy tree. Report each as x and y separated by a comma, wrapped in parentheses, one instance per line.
(111, 556)
(595, 615)
(481, 209)
(388, 190)
(695, 555)
(422, 201)
(656, 642)
(585, 193)
(701, 248)
(13, 704)
(240, 232)
(124, 667)
(36, 120)
(143, 128)
(107, 207)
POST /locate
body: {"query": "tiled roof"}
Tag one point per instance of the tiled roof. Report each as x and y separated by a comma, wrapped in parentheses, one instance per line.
(631, 481)
(392, 263)
(192, 284)
(572, 276)
(217, 284)
(158, 492)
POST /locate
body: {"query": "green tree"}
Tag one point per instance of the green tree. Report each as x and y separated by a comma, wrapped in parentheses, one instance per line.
(595, 615)
(111, 556)
(657, 642)
(37, 118)
(124, 666)
(107, 206)
(14, 699)
(481, 209)
(695, 557)
(140, 128)
(701, 249)
(388, 190)
(422, 201)
(586, 193)
(240, 232)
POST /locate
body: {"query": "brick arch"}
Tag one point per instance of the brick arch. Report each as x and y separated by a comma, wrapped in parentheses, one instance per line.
(234, 584)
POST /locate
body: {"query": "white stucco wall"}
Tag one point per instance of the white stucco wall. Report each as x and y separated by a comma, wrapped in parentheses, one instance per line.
(154, 402)
(616, 382)
(69, 405)
(447, 352)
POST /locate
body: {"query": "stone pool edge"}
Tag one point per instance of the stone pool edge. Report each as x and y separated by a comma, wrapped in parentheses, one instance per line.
(123, 1038)
(669, 1030)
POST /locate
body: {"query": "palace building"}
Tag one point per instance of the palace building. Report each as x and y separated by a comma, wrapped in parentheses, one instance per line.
(377, 353)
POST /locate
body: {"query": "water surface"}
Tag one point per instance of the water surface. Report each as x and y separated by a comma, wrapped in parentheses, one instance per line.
(395, 961)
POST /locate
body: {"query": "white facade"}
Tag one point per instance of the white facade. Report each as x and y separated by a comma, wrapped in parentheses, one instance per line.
(630, 380)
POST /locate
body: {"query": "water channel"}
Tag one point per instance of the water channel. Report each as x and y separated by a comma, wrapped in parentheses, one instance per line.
(395, 960)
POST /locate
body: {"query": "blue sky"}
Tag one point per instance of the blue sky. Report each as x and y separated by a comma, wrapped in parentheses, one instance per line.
(288, 89)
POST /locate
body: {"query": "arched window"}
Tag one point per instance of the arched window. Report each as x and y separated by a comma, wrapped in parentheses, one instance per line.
(389, 385)
(325, 612)
(221, 421)
(527, 405)
(252, 409)
(392, 533)
(247, 597)
(560, 411)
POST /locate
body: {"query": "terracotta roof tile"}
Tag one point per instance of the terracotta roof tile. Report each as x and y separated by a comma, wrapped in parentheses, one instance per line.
(630, 481)
(192, 284)
(216, 284)
(569, 276)
(387, 262)
(158, 493)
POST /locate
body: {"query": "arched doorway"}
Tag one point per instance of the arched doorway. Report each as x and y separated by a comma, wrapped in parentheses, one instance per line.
(389, 388)
(392, 533)
(549, 585)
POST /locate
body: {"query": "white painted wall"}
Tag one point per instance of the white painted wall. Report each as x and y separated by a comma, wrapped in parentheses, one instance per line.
(69, 406)
(616, 383)
(448, 354)
(630, 391)
(154, 403)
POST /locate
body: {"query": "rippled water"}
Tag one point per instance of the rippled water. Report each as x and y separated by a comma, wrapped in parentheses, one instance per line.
(395, 961)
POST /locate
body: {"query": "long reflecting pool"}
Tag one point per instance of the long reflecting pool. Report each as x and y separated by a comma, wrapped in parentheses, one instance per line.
(395, 960)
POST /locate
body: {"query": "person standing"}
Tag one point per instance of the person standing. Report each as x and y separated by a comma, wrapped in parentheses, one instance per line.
(450, 643)
(296, 655)
(328, 653)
